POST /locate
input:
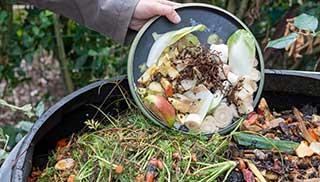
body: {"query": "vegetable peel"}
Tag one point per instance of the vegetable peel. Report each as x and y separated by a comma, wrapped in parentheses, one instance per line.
(167, 39)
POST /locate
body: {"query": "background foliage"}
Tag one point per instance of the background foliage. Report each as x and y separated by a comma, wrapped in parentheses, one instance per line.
(85, 55)
(90, 56)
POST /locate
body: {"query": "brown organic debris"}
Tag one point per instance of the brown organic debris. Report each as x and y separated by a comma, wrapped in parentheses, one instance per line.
(202, 65)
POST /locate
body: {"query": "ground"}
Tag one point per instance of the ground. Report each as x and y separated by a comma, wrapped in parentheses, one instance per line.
(45, 84)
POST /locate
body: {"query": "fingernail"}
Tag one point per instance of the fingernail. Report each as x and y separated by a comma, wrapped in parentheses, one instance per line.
(177, 19)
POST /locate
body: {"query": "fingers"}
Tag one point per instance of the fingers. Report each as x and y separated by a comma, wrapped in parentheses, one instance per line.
(136, 24)
(168, 11)
(169, 3)
(173, 17)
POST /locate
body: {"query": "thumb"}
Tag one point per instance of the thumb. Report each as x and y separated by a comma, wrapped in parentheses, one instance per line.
(168, 11)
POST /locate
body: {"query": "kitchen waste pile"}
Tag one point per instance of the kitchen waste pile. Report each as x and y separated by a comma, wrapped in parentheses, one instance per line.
(267, 146)
(194, 88)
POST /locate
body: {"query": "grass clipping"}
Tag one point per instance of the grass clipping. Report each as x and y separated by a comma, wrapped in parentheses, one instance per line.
(133, 149)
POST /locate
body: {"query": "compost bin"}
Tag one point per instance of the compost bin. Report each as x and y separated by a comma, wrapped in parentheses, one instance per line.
(282, 89)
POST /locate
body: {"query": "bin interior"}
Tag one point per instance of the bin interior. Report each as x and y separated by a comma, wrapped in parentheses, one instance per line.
(281, 92)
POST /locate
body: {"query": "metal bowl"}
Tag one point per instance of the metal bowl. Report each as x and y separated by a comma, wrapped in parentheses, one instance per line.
(217, 21)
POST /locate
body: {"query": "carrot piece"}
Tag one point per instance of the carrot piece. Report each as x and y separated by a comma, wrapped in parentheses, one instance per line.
(119, 169)
(150, 177)
(62, 143)
(71, 178)
(313, 134)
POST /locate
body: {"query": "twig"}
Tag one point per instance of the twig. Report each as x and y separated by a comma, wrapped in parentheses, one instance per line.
(111, 161)
(231, 6)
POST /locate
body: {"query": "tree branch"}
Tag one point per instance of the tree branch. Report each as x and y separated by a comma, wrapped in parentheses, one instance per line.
(62, 55)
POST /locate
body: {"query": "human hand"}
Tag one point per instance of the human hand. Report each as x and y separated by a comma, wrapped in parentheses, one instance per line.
(147, 9)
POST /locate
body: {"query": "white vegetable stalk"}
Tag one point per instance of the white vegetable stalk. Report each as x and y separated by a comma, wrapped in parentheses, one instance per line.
(242, 50)
(220, 50)
(203, 97)
(233, 78)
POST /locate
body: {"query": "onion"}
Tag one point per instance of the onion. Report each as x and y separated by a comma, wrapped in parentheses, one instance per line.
(208, 125)
(223, 115)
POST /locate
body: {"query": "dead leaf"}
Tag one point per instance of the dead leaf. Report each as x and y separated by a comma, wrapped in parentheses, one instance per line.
(275, 123)
(302, 126)
(303, 150)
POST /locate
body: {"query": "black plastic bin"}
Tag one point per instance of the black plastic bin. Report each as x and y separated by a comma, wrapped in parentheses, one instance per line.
(282, 90)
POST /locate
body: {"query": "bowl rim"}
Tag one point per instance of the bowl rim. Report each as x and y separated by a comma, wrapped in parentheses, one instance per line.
(136, 40)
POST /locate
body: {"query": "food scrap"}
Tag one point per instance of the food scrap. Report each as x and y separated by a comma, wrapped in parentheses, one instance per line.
(267, 146)
(207, 88)
(282, 146)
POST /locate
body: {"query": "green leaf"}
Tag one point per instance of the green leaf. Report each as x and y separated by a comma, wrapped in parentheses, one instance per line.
(1, 71)
(19, 136)
(306, 22)
(105, 51)
(3, 16)
(11, 132)
(3, 155)
(92, 52)
(17, 51)
(283, 41)
(29, 58)
(48, 13)
(19, 33)
(80, 61)
(40, 109)
(27, 41)
(36, 31)
(4, 29)
(25, 125)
